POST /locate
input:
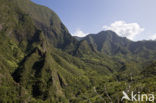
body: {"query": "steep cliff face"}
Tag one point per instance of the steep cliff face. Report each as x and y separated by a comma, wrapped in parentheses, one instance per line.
(24, 19)
(31, 67)
(48, 21)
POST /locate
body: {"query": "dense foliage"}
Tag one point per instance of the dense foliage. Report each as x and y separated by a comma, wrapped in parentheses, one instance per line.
(40, 62)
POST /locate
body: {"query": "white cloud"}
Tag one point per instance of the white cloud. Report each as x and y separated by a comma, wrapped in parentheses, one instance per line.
(153, 37)
(79, 33)
(129, 30)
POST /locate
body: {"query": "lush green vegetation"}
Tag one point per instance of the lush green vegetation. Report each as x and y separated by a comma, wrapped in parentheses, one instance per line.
(40, 62)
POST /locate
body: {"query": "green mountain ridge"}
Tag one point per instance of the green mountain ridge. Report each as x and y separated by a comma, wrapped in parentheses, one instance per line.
(42, 63)
(110, 43)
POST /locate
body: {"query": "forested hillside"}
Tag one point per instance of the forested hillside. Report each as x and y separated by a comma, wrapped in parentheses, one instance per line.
(40, 62)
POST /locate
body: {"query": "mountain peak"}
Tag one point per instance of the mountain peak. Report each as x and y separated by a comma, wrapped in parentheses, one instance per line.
(107, 42)
(110, 33)
(107, 31)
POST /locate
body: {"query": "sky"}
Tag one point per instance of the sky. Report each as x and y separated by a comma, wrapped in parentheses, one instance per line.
(134, 19)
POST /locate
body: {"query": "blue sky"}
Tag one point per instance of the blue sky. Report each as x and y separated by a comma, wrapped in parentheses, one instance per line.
(134, 19)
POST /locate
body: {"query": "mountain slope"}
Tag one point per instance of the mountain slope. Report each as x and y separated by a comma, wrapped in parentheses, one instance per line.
(110, 43)
(42, 63)
(28, 61)
(130, 56)
(47, 21)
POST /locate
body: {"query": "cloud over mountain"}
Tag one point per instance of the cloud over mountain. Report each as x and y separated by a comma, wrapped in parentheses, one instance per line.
(80, 33)
(129, 30)
(153, 37)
